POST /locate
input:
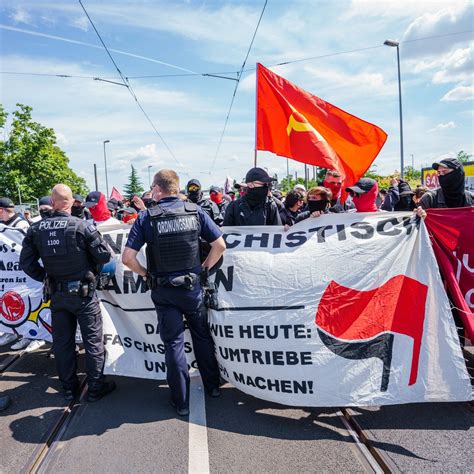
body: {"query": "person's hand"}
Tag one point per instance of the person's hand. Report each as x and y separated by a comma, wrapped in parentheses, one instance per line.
(394, 182)
(131, 221)
(139, 203)
(316, 213)
(420, 212)
(286, 228)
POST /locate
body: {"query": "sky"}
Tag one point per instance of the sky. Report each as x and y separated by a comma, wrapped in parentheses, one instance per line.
(171, 38)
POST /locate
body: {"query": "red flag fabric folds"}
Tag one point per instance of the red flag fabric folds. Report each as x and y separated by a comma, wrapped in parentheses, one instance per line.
(451, 232)
(296, 124)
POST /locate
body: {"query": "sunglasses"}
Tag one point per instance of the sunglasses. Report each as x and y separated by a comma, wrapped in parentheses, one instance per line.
(193, 188)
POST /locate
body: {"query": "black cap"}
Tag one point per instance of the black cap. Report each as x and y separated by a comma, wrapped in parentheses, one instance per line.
(78, 197)
(258, 174)
(6, 203)
(45, 201)
(362, 186)
(93, 198)
(404, 189)
(194, 182)
(452, 163)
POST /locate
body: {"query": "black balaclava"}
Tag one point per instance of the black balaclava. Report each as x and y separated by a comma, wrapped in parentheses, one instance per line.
(44, 213)
(317, 205)
(77, 211)
(194, 191)
(256, 196)
(453, 187)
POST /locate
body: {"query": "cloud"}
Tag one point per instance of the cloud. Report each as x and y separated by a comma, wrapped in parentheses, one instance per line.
(81, 22)
(442, 126)
(61, 139)
(456, 18)
(459, 93)
(20, 15)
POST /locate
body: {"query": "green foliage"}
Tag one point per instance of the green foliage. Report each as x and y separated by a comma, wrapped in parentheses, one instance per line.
(463, 157)
(30, 160)
(320, 174)
(134, 185)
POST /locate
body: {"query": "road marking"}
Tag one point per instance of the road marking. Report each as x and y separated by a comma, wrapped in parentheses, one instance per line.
(198, 447)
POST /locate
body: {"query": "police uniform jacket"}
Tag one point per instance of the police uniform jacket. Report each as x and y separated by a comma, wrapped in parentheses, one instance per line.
(68, 247)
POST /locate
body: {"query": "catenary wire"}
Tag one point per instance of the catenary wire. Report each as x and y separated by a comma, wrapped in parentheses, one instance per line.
(127, 84)
(239, 76)
(216, 74)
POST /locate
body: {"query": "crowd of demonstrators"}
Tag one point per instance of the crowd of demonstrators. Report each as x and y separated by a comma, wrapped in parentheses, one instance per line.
(176, 264)
(256, 206)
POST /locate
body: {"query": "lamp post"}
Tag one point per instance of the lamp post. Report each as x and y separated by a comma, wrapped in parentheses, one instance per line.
(106, 177)
(149, 179)
(396, 44)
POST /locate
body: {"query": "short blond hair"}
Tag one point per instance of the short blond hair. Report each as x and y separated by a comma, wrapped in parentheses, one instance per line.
(167, 180)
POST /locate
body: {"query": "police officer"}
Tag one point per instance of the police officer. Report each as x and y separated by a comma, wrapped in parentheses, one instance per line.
(171, 229)
(70, 250)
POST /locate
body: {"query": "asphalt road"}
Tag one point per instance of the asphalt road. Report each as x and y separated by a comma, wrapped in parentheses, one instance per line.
(136, 430)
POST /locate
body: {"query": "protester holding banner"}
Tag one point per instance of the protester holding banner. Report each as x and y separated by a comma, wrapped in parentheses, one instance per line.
(364, 194)
(70, 250)
(294, 201)
(171, 230)
(254, 208)
(392, 196)
(333, 182)
(195, 195)
(318, 202)
(452, 191)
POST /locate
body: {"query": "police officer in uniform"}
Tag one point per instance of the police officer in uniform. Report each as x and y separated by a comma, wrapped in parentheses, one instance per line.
(70, 250)
(171, 229)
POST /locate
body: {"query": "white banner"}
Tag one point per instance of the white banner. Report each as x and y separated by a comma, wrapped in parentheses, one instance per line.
(345, 309)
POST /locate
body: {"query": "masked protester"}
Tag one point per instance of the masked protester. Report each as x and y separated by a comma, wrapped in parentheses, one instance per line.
(452, 191)
(294, 201)
(195, 195)
(217, 197)
(318, 202)
(392, 196)
(364, 195)
(45, 207)
(333, 182)
(405, 202)
(255, 207)
(97, 205)
(78, 209)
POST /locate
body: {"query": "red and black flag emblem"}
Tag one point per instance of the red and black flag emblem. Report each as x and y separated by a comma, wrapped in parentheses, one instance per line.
(358, 324)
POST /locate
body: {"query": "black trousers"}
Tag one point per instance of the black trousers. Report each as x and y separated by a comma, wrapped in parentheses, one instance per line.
(171, 304)
(67, 311)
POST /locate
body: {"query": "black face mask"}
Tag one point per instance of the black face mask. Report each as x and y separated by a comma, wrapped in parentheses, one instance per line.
(44, 213)
(255, 196)
(317, 205)
(148, 203)
(195, 196)
(77, 211)
(453, 187)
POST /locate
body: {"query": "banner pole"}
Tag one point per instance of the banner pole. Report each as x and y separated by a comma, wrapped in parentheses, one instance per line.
(256, 115)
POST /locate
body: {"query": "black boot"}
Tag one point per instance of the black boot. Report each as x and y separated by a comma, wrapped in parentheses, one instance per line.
(96, 394)
(5, 402)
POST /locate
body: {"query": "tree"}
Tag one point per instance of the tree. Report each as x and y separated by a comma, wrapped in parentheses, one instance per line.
(463, 157)
(134, 185)
(411, 174)
(30, 161)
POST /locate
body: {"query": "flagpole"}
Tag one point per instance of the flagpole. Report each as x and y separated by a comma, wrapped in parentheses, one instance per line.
(256, 114)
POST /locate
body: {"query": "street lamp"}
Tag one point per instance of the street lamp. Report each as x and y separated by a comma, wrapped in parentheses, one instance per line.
(396, 44)
(149, 180)
(106, 177)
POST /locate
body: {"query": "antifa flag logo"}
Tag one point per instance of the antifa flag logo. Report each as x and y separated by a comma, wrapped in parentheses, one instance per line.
(361, 324)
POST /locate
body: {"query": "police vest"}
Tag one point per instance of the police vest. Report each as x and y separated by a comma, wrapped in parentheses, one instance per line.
(57, 245)
(175, 246)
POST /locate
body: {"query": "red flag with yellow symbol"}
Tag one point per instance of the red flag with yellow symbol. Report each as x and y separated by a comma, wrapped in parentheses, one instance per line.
(296, 124)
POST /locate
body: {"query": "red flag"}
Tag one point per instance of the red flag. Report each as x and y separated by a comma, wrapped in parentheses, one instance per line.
(398, 306)
(293, 123)
(451, 232)
(115, 194)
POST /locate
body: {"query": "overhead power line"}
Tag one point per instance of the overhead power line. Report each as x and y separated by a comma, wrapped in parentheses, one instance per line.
(128, 85)
(239, 76)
